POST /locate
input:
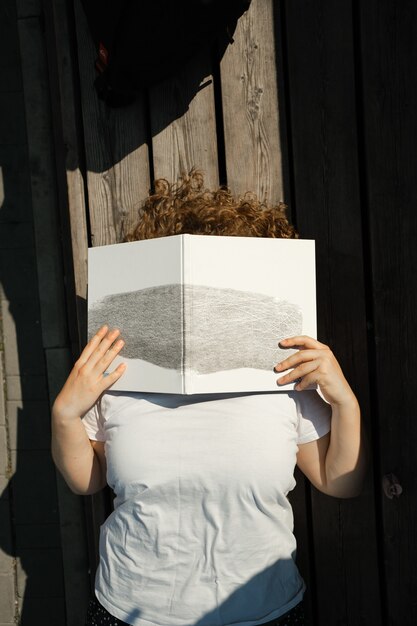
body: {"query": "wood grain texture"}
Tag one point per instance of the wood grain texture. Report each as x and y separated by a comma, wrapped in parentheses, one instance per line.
(183, 123)
(389, 103)
(43, 181)
(116, 152)
(327, 201)
(69, 158)
(67, 198)
(250, 106)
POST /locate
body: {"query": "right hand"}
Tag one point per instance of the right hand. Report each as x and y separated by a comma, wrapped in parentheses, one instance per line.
(86, 382)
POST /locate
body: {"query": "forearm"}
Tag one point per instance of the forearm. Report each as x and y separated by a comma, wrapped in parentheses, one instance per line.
(346, 456)
(74, 456)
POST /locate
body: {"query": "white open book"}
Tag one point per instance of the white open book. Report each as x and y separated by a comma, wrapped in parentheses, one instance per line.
(203, 314)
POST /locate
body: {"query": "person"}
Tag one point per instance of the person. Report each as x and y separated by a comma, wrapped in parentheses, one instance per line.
(202, 529)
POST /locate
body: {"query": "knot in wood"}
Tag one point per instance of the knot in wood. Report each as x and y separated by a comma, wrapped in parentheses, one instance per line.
(391, 486)
(254, 104)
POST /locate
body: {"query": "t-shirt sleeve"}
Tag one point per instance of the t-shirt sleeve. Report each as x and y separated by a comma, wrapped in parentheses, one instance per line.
(93, 423)
(314, 416)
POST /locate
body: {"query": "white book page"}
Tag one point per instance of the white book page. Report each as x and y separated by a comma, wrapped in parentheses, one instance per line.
(246, 294)
(135, 287)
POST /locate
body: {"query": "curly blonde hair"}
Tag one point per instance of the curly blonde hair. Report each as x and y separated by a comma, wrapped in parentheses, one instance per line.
(187, 207)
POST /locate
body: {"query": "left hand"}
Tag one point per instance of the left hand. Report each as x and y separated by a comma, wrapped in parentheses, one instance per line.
(315, 363)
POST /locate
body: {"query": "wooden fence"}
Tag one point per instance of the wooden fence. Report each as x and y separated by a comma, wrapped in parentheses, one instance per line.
(315, 103)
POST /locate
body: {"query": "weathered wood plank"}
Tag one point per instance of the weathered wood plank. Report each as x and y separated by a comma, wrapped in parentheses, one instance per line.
(116, 152)
(71, 514)
(48, 241)
(66, 116)
(183, 123)
(43, 183)
(327, 203)
(389, 100)
(250, 106)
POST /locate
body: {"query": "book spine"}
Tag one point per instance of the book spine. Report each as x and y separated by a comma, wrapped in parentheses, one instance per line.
(186, 315)
(182, 309)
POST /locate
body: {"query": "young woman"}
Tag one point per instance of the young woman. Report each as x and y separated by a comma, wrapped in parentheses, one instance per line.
(201, 533)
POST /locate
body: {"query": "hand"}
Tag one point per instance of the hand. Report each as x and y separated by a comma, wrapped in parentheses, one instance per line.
(315, 363)
(86, 381)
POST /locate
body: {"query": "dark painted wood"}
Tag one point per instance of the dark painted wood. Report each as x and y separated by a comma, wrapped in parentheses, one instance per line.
(388, 56)
(321, 85)
(43, 96)
(43, 182)
(300, 497)
(69, 159)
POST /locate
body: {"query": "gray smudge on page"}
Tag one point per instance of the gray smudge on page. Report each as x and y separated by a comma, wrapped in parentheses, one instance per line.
(224, 328)
(149, 321)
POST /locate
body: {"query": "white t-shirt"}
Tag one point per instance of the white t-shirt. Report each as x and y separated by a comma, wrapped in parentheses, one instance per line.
(202, 527)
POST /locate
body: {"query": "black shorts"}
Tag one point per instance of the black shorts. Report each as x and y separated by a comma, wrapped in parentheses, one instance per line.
(97, 615)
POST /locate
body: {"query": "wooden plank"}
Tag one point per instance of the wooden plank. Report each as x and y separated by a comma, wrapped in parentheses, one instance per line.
(43, 183)
(389, 100)
(66, 116)
(71, 513)
(250, 106)
(183, 123)
(116, 152)
(327, 202)
(34, 38)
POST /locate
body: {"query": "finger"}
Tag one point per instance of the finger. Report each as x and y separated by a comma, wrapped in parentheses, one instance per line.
(103, 363)
(111, 378)
(103, 346)
(295, 359)
(92, 345)
(298, 372)
(302, 341)
(307, 381)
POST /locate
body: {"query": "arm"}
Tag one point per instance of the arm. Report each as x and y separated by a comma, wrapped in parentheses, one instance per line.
(79, 460)
(336, 463)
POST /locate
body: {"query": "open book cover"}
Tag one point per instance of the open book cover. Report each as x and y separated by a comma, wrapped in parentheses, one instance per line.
(203, 314)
